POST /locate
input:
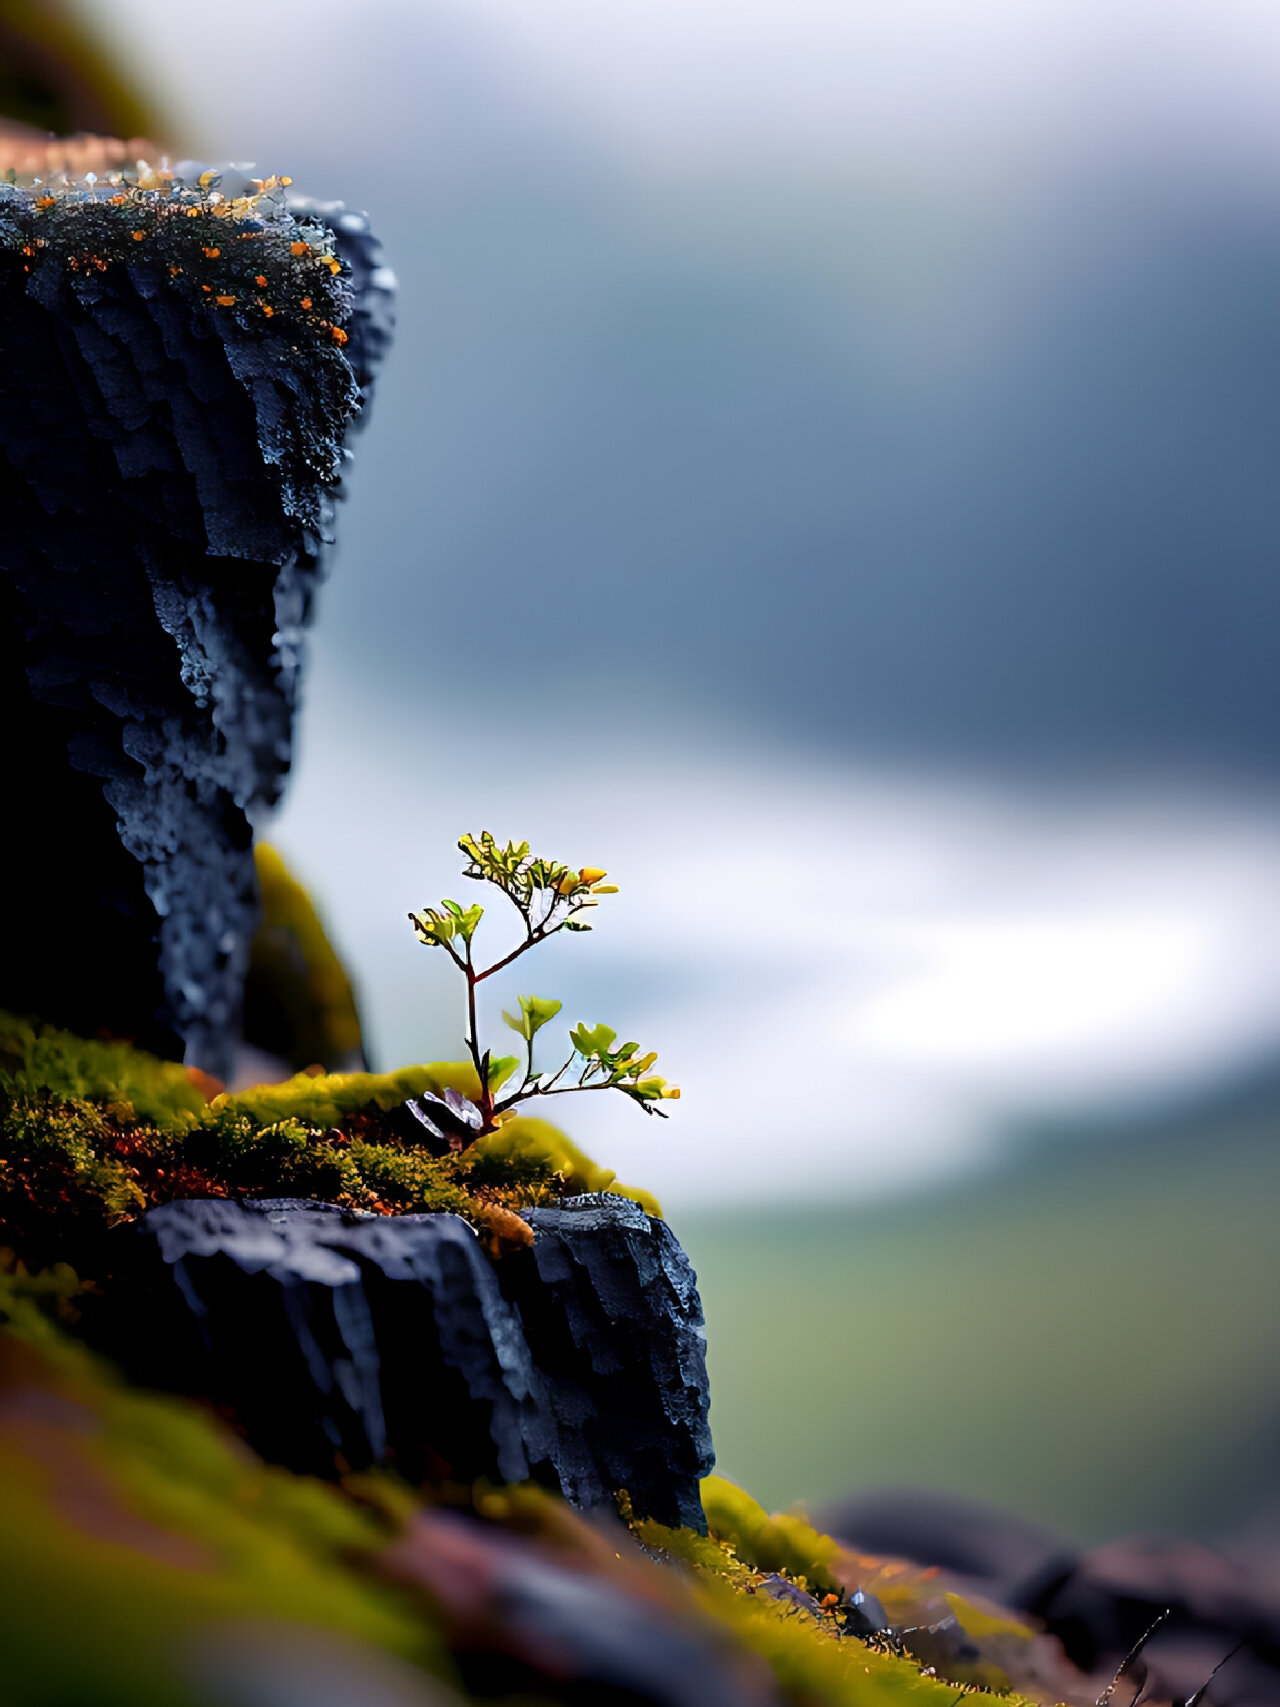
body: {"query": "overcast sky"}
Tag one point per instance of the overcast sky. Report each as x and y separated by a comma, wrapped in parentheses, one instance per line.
(736, 78)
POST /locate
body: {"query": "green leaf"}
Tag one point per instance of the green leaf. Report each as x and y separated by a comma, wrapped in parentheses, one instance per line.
(433, 928)
(468, 921)
(540, 1009)
(575, 925)
(591, 1041)
(535, 1011)
(501, 1069)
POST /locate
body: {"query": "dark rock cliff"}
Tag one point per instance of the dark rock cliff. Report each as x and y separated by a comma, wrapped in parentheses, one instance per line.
(172, 421)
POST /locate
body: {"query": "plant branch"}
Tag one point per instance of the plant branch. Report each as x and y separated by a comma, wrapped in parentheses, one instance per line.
(537, 934)
(473, 1036)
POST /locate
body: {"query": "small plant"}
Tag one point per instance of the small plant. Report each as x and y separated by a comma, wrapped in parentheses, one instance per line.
(549, 898)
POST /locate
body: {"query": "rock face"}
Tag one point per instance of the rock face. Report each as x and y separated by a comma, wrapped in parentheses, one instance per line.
(346, 1340)
(172, 424)
(611, 1314)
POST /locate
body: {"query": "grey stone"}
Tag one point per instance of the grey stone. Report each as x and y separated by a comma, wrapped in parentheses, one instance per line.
(342, 1339)
(168, 474)
(610, 1309)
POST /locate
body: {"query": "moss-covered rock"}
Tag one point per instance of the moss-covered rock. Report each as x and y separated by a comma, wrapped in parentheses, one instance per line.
(95, 1133)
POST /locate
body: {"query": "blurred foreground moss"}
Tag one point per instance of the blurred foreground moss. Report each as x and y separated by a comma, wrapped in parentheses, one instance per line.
(131, 1525)
(298, 1000)
(139, 1537)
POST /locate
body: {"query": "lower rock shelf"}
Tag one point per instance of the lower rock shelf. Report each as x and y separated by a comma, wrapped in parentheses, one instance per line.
(341, 1340)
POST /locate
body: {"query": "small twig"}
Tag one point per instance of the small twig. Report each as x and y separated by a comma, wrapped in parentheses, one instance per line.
(1194, 1700)
(1130, 1657)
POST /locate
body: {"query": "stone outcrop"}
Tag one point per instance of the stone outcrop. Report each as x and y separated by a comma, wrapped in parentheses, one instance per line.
(171, 444)
(610, 1311)
(342, 1340)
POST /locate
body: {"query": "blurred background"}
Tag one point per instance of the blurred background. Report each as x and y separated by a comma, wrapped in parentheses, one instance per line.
(827, 474)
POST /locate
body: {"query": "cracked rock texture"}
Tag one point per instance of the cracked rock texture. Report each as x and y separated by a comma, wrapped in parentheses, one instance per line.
(168, 471)
(345, 1340)
(611, 1313)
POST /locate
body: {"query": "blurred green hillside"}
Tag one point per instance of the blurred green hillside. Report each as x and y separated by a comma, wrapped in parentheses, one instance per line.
(1090, 1335)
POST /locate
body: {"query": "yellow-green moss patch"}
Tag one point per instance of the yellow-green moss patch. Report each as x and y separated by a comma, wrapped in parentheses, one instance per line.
(94, 1133)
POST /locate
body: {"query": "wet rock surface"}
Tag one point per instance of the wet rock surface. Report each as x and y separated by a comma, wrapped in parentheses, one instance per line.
(342, 1340)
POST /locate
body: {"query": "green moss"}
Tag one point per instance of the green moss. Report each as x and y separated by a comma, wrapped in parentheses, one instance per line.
(523, 1138)
(325, 1099)
(411, 1178)
(141, 1524)
(94, 1133)
(811, 1664)
(36, 1058)
(913, 1599)
(987, 1626)
(782, 1542)
(298, 1003)
(811, 1660)
(52, 1162)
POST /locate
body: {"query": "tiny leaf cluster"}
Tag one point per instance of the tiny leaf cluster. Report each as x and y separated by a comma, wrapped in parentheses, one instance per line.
(549, 897)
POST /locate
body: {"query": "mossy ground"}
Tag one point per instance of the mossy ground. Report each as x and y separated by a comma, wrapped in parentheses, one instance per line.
(171, 1528)
(147, 1534)
(747, 1545)
(95, 1133)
